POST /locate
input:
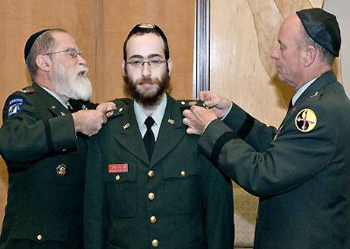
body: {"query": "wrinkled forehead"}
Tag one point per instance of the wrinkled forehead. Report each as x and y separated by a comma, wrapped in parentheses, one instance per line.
(145, 45)
(64, 40)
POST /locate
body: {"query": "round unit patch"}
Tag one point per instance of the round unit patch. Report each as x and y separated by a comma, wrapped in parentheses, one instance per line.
(306, 120)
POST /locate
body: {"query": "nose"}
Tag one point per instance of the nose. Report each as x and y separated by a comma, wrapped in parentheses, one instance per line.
(146, 69)
(274, 54)
(81, 60)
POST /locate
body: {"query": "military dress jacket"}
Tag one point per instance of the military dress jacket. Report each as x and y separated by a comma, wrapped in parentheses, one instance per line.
(46, 165)
(301, 172)
(176, 199)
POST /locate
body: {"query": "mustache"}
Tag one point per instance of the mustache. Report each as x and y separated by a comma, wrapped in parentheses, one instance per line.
(145, 80)
(82, 70)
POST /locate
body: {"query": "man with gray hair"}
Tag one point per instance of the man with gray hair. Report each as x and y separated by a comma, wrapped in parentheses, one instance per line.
(300, 171)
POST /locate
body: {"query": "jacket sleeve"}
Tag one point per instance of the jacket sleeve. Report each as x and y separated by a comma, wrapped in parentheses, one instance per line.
(290, 160)
(94, 200)
(26, 135)
(218, 207)
(247, 128)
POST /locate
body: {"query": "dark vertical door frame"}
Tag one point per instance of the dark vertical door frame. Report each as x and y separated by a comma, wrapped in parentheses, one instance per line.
(202, 46)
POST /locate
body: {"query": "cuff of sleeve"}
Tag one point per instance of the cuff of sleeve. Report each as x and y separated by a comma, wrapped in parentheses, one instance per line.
(216, 135)
(227, 112)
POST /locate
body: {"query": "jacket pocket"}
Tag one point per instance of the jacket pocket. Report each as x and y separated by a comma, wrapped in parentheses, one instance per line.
(121, 189)
(182, 188)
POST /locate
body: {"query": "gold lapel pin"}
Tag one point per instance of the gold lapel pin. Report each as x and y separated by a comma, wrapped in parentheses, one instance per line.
(126, 126)
(171, 121)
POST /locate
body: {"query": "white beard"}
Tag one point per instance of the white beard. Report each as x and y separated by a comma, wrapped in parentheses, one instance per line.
(68, 82)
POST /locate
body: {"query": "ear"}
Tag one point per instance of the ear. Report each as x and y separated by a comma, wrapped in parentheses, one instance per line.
(123, 68)
(310, 55)
(170, 65)
(43, 62)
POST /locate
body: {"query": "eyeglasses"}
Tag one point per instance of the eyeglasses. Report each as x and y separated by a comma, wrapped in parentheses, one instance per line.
(70, 51)
(139, 63)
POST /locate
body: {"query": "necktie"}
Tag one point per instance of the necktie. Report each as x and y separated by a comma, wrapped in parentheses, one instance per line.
(290, 104)
(148, 139)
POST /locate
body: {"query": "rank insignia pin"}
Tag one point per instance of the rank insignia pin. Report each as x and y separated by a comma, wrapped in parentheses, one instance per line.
(126, 126)
(171, 121)
(109, 113)
(61, 169)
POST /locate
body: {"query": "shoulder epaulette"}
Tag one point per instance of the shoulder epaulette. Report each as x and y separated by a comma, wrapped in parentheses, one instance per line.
(114, 113)
(28, 90)
(186, 104)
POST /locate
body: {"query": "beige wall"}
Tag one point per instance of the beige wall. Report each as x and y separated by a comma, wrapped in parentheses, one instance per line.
(99, 28)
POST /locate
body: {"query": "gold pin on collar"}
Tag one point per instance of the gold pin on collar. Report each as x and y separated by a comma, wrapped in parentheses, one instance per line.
(126, 126)
(171, 121)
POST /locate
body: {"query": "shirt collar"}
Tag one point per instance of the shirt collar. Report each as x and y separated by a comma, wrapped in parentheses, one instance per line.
(302, 89)
(157, 114)
(64, 103)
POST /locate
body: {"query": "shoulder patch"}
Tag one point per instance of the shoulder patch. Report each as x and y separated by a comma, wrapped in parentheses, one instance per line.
(306, 120)
(15, 106)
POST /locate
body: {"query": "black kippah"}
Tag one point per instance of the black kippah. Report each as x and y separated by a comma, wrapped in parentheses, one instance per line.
(322, 27)
(30, 42)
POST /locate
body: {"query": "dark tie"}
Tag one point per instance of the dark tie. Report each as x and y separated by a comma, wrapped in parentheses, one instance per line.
(148, 139)
(290, 104)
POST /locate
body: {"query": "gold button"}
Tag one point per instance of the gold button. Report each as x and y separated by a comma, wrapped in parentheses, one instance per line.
(183, 173)
(155, 243)
(39, 237)
(117, 177)
(151, 196)
(151, 173)
(153, 219)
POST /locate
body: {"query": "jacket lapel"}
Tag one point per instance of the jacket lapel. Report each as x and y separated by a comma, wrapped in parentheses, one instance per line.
(129, 136)
(55, 107)
(171, 131)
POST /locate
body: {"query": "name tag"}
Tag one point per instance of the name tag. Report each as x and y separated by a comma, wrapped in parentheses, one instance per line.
(118, 168)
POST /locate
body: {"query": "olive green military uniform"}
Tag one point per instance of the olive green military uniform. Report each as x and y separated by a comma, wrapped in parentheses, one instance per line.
(46, 163)
(175, 200)
(301, 172)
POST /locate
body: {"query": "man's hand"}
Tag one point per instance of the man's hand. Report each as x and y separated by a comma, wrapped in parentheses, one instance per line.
(89, 122)
(197, 119)
(106, 107)
(218, 104)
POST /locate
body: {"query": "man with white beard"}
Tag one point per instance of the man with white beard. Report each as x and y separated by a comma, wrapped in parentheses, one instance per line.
(44, 146)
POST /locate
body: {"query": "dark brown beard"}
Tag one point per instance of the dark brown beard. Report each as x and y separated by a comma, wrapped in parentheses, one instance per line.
(147, 100)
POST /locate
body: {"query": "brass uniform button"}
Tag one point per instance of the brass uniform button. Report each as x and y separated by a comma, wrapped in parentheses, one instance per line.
(117, 177)
(183, 173)
(151, 196)
(153, 219)
(155, 243)
(39, 237)
(151, 173)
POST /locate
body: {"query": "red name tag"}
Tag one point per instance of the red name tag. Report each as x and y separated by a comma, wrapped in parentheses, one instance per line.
(118, 168)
